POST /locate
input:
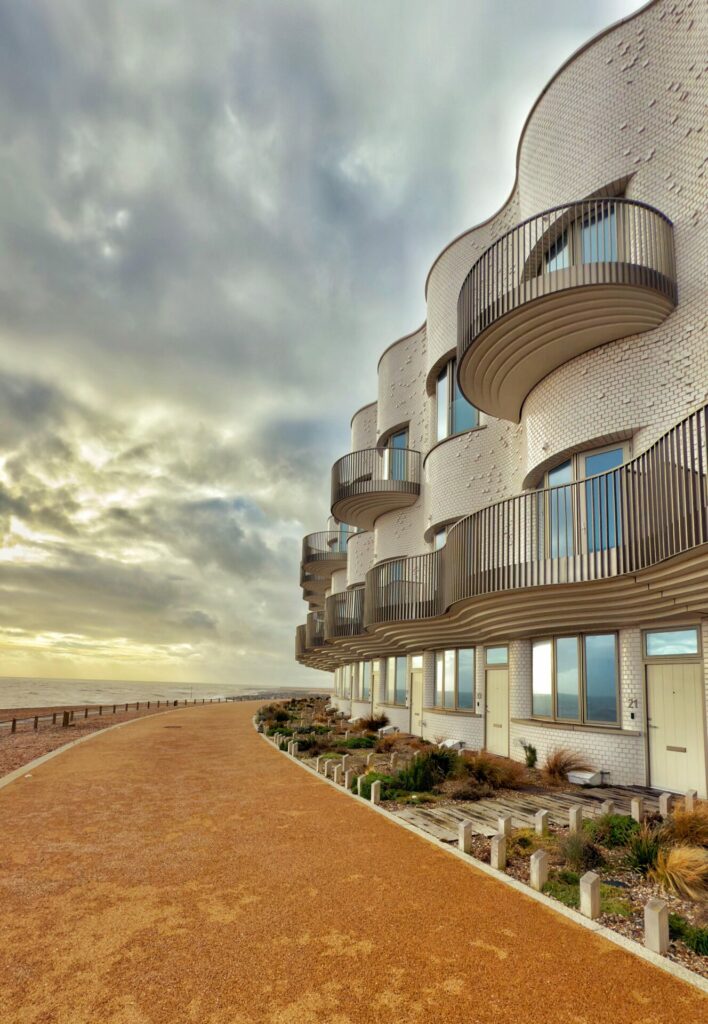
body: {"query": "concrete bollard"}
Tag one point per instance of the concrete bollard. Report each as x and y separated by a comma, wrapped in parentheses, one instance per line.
(464, 836)
(690, 800)
(607, 807)
(337, 774)
(360, 784)
(376, 792)
(575, 818)
(369, 760)
(65, 720)
(497, 857)
(666, 803)
(318, 765)
(328, 765)
(637, 809)
(345, 762)
(656, 926)
(394, 762)
(590, 895)
(348, 778)
(346, 734)
(504, 823)
(539, 869)
(540, 823)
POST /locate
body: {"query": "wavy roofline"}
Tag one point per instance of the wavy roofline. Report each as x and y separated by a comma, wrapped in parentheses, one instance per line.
(403, 337)
(574, 56)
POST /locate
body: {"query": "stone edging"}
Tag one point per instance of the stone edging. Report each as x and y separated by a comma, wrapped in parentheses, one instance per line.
(663, 963)
(25, 768)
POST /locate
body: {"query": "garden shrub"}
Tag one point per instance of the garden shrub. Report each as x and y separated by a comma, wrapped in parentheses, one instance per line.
(561, 761)
(373, 723)
(531, 754)
(643, 848)
(359, 743)
(689, 827)
(388, 785)
(682, 870)
(611, 830)
(695, 937)
(579, 851)
(563, 891)
(279, 729)
(499, 772)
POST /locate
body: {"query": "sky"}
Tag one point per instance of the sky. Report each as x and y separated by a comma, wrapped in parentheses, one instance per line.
(213, 219)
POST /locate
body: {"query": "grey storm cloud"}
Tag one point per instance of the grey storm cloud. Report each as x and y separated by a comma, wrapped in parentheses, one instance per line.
(213, 218)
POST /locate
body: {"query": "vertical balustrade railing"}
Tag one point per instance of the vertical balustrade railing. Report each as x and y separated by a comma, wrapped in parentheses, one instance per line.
(405, 589)
(652, 508)
(327, 545)
(376, 469)
(344, 614)
(595, 241)
(315, 629)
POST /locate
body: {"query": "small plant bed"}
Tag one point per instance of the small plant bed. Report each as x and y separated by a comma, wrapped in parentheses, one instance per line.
(635, 863)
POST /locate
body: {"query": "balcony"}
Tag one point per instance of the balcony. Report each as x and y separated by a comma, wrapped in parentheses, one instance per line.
(314, 630)
(405, 589)
(325, 552)
(555, 286)
(344, 614)
(618, 523)
(369, 483)
(299, 642)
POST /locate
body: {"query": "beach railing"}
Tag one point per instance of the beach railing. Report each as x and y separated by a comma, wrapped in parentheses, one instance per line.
(65, 717)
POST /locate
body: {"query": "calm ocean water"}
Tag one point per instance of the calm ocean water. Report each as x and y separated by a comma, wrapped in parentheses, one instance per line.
(37, 693)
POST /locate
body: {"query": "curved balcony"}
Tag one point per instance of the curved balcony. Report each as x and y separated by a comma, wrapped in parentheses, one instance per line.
(368, 483)
(628, 519)
(325, 552)
(299, 642)
(344, 614)
(555, 286)
(405, 589)
(314, 630)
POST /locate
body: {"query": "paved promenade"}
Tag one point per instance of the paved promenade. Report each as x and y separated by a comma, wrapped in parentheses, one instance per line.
(179, 869)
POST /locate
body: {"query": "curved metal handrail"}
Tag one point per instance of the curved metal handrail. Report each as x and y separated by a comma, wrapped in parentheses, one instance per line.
(376, 469)
(344, 614)
(593, 241)
(405, 589)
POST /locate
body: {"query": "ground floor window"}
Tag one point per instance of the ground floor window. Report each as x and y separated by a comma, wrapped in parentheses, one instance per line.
(671, 643)
(396, 680)
(575, 679)
(454, 679)
(365, 680)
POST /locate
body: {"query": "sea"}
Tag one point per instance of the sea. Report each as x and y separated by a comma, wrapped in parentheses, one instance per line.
(24, 692)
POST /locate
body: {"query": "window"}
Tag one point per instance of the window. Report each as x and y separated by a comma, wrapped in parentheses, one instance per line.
(396, 680)
(592, 238)
(496, 655)
(454, 679)
(557, 255)
(574, 679)
(440, 538)
(599, 236)
(397, 455)
(365, 680)
(454, 414)
(586, 517)
(376, 679)
(671, 643)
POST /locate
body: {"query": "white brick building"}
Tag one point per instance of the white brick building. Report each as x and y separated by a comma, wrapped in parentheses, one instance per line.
(531, 484)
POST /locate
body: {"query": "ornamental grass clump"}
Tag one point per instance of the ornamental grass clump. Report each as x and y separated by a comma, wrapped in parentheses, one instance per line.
(643, 848)
(498, 772)
(426, 771)
(611, 830)
(561, 761)
(579, 852)
(693, 936)
(359, 743)
(682, 870)
(373, 723)
(689, 827)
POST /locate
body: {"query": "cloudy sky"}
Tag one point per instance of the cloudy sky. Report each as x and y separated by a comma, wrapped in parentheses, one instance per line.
(213, 218)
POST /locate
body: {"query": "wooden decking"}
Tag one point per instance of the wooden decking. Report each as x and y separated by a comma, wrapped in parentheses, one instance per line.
(443, 821)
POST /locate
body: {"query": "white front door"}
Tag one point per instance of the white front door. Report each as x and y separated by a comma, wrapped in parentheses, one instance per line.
(416, 691)
(497, 716)
(677, 757)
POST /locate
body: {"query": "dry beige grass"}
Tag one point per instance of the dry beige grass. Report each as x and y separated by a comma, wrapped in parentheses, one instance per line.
(561, 761)
(689, 827)
(683, 870)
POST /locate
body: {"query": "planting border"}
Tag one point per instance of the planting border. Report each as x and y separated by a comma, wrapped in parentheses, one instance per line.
(663, 963)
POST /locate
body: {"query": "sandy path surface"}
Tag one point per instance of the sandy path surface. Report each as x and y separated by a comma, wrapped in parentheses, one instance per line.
(180, 869)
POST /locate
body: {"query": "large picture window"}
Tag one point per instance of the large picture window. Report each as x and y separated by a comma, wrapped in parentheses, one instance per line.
(396, 680)
(454, 414)
(365, 680)
(575, 679)
(454, 679)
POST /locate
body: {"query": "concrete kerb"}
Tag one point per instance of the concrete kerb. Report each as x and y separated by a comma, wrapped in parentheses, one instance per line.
(31, 765)
(664, 964)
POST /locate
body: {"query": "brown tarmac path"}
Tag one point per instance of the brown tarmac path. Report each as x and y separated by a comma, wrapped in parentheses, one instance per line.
(180, 869)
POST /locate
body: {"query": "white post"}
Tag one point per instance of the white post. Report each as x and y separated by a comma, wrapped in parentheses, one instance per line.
(666, 803)
(328, 765)
(637, 809)
(540, 822)
(656, 926)
(369, 760)
(376, 792)
(360, 784)
(464, 836)
(394, 761)
(539, 869)
(296, 747)
(575, 817)
(504, 824)
(498, 852)
(318, 765)
(348, 778)
(337, 774)
(590, 895)
(690, 800)
(346, 734)
(607, 807)
(345, 762)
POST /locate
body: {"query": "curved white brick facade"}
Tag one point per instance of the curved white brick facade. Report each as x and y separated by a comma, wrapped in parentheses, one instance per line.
(623, 116)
